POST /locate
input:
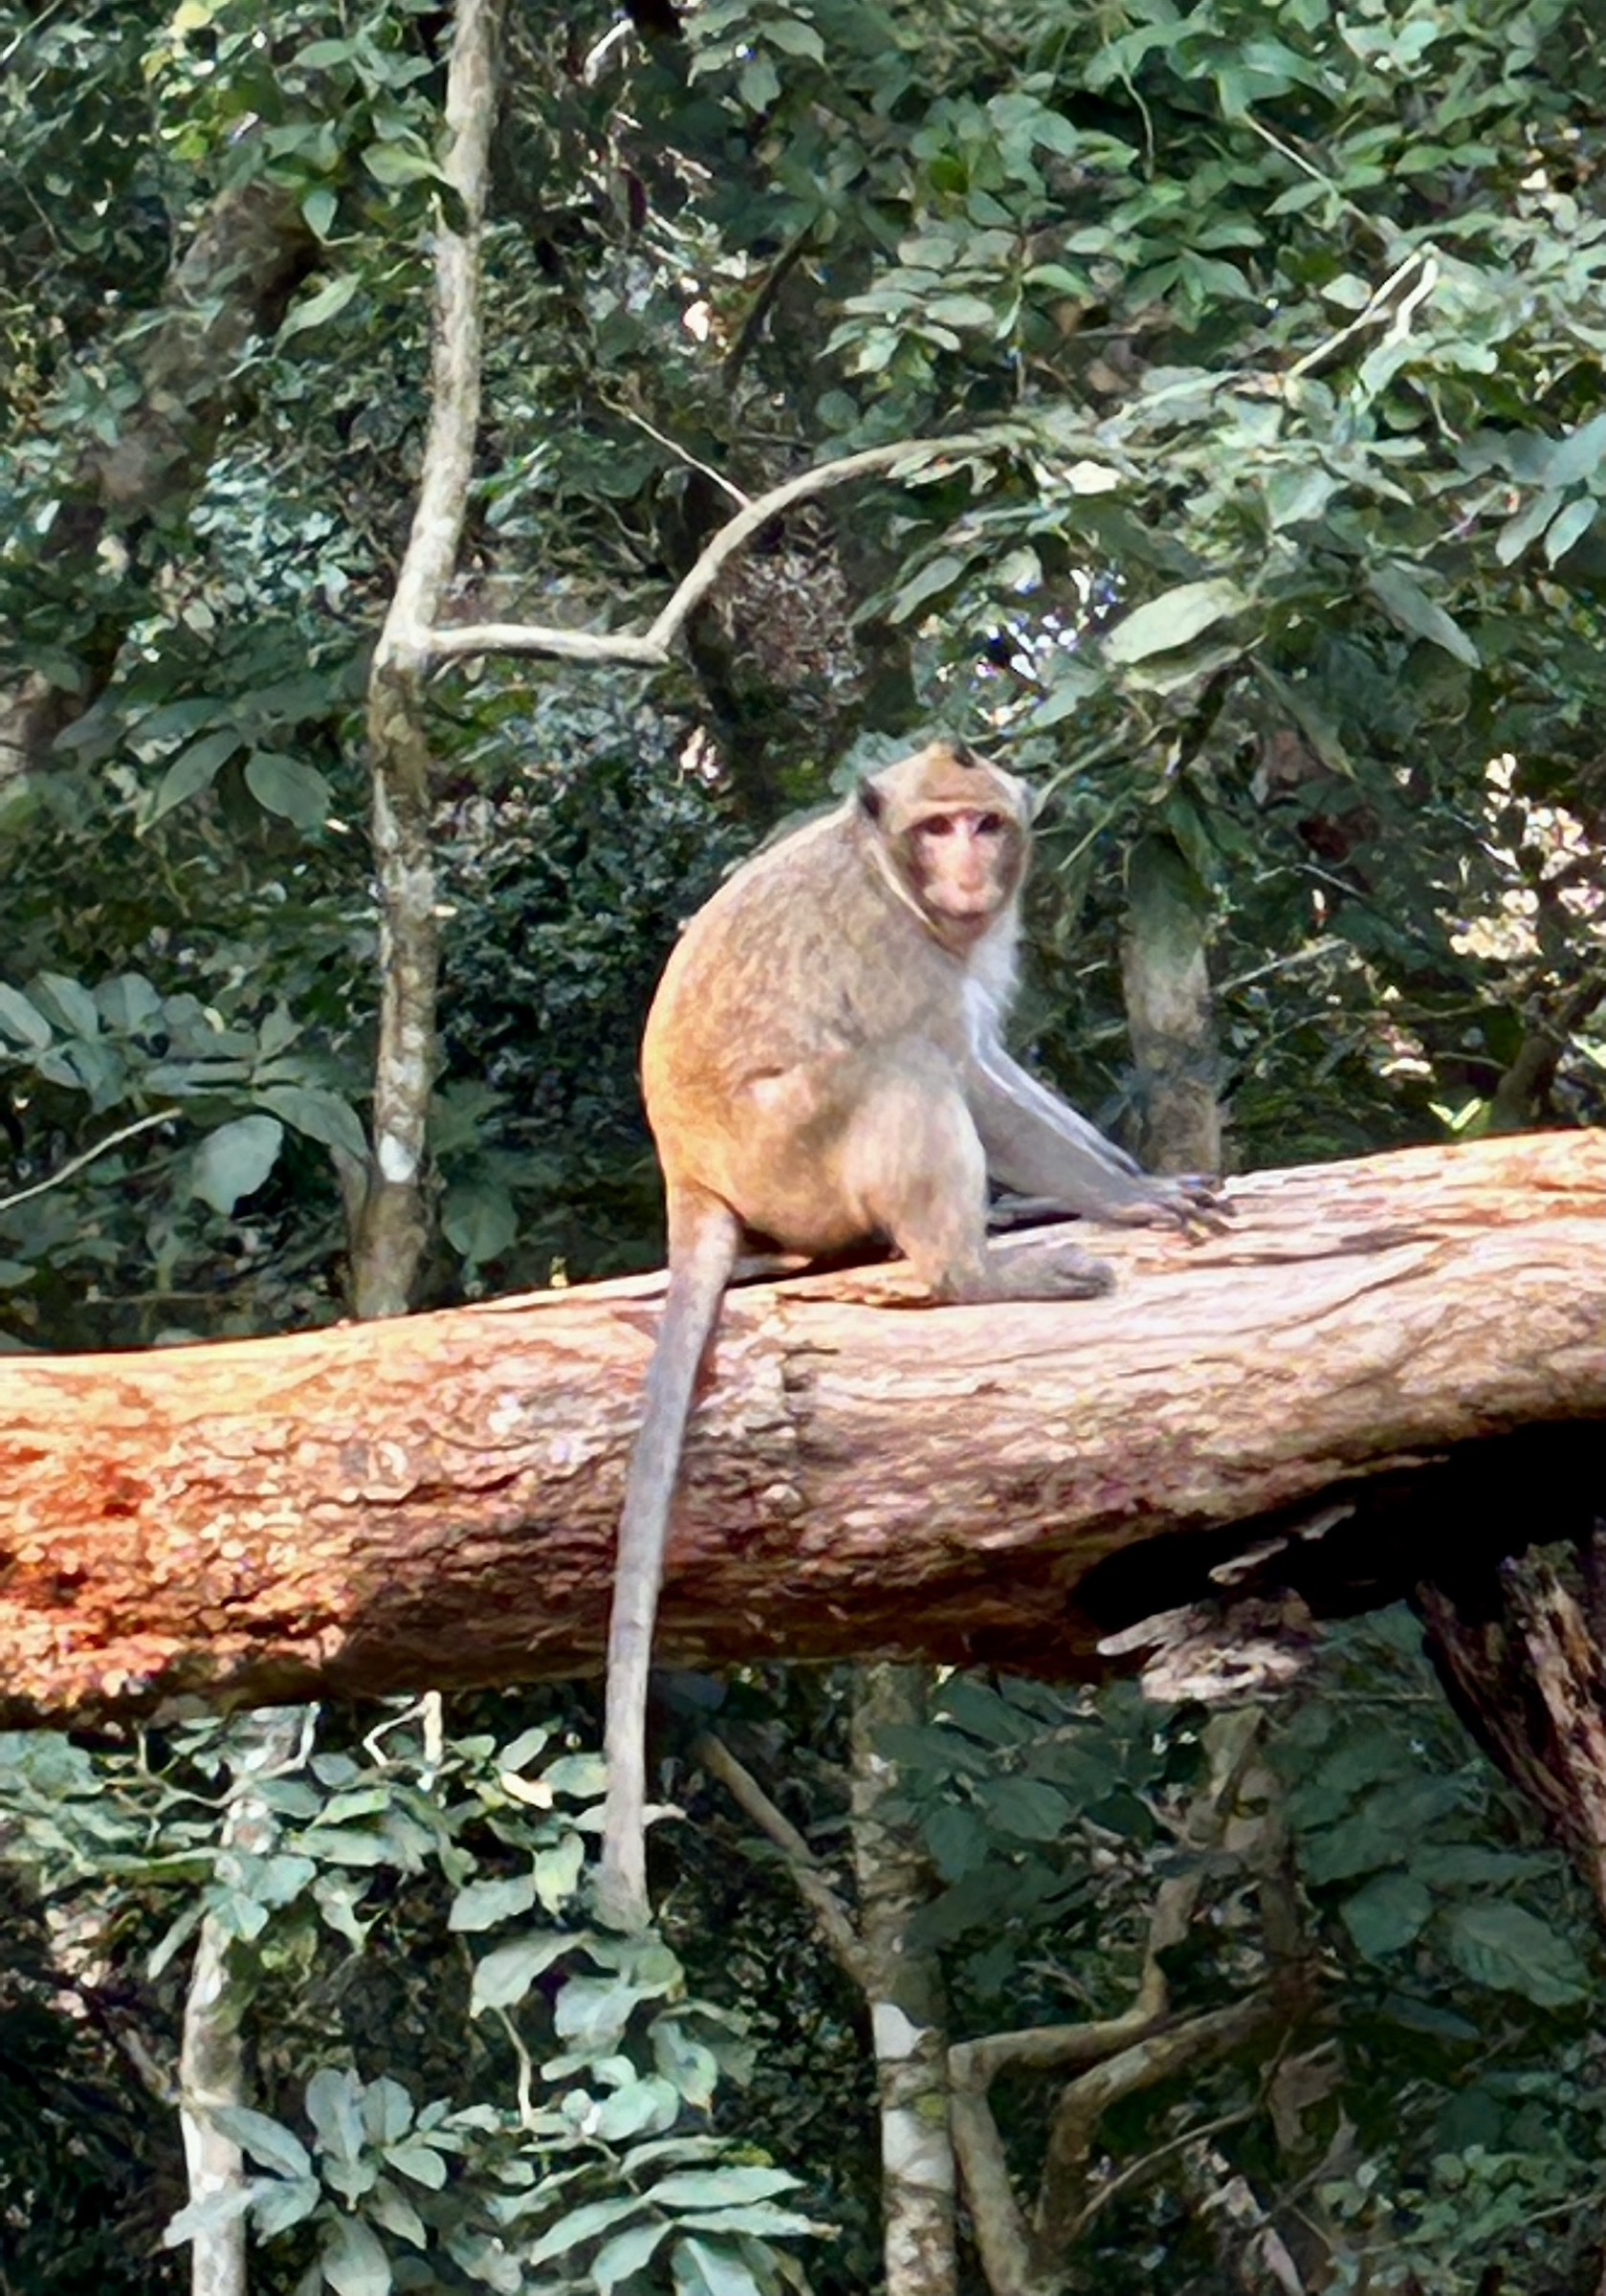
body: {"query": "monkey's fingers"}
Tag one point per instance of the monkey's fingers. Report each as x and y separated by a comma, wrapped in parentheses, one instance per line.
(1194, 1202)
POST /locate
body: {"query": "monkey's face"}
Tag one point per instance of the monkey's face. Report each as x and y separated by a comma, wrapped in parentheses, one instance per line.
(963, 864)
(952, 834)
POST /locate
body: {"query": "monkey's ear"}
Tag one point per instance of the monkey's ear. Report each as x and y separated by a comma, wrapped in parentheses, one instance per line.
(869, 801)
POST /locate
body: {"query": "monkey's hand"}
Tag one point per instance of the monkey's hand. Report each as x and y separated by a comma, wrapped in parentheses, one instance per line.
(1192, 1200)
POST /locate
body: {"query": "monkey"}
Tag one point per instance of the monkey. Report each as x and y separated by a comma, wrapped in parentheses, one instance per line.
(824, 1065)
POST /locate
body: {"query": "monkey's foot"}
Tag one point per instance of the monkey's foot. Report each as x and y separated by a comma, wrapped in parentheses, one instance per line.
(1051, 1270)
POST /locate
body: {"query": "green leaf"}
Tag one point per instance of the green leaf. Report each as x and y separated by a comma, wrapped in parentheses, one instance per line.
(209, 2214)
(1387, 1914)
(762, 2221)
(129, 1005)
(1570, 527)
(718, 2271)
(266, 2140)
(1028, 1809)
(584, 1775)
(234, 1160)
(959, 310)
(279, 1880)
(67, 1003)
(320, 209)
(1524, 527)
(317, 311)
(422, 2163)
(392, 164)
(720, 2188)
(688, 2065)
(582, 2224)
(1408, 606)
(354, 2260)
(21, 1020)
(395, 2212)
(506, 1976)
(479, 1222)
(318, 55)
(593, 2012)
(386, 2111)
(346, 1846)
(279, 2204)
(793, 35)
(558, 1870)
(938, 574)
(626, 2253)
(643, 2107)
(284, 786)
(971, 1706)
(956, 1840)
(315, 1114)
(191, 771)
(1512, 1950)
(334, 2112)
(1176, 618)
(524, 1747)
(482, 1904)
(760, 84)
(1580, 456)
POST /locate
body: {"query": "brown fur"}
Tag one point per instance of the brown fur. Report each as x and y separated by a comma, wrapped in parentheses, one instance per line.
(824, 1065)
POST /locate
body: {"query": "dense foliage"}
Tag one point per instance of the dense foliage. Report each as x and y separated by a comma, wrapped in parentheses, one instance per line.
(1277, 332)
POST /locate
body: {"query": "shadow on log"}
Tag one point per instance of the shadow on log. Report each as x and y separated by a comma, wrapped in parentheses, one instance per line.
(1369, 1369)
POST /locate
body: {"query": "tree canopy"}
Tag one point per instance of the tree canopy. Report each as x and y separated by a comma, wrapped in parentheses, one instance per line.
(1230, 380)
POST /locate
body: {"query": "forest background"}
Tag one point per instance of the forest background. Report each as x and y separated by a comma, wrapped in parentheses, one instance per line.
(1273, 557)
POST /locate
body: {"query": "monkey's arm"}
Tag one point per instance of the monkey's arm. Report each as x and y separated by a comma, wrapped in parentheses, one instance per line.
(1037, 1144)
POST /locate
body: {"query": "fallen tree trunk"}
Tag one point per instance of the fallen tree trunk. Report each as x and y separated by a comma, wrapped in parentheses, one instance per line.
(431, 1502)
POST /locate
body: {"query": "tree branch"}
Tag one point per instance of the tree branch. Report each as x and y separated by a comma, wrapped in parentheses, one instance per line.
(371, 1507)
(910, 458)
(832, 1917)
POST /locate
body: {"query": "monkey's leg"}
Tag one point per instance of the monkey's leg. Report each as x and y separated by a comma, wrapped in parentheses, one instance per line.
(1037, 1144)
(703, 1239)
(911, 1158)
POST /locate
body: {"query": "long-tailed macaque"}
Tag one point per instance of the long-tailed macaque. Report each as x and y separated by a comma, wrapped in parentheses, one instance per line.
(824, 1064)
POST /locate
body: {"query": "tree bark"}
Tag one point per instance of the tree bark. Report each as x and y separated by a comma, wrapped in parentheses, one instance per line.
(235, 278)
(1165, 978)
(432, 1501)
(904, 1995)
(392, 1229)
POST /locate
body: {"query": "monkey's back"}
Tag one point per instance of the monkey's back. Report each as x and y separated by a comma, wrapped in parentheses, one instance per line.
(805, 957)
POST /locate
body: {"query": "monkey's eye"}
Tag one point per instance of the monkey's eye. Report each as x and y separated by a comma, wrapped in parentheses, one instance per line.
(940, 824)
(989, 825)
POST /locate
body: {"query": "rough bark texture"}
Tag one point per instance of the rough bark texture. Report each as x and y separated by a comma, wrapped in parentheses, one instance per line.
(234, 279)
(212, 2049)
(1523, 1647)
(432, 1501)
(392, 1229)
(904, 1995)
(1165, 980)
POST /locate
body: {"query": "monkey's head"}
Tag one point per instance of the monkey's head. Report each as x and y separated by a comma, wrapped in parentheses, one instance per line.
(952, 834)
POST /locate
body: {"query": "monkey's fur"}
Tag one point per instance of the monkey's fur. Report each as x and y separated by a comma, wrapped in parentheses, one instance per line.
(824, 1064)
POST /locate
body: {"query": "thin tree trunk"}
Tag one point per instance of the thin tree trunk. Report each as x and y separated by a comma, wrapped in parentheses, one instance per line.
(908, 2010)
(393, 1228)
(234, 280)
(211, 2056)
(1166, 982)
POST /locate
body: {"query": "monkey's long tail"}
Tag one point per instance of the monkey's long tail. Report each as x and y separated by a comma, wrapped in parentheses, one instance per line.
(703, 1250)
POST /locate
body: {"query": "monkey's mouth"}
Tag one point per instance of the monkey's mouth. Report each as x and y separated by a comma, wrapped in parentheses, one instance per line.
(955, 918)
